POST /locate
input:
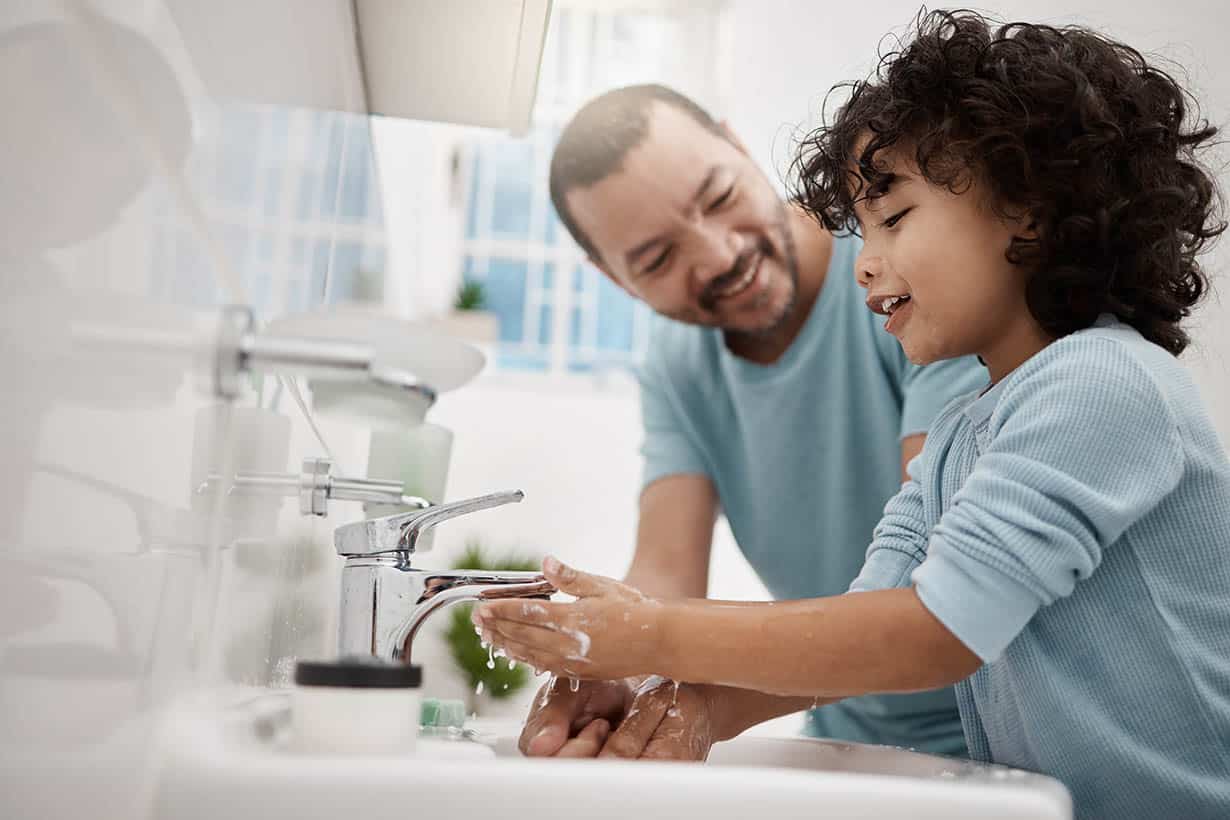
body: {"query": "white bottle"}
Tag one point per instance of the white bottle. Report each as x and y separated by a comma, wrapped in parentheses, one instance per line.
(355, 705)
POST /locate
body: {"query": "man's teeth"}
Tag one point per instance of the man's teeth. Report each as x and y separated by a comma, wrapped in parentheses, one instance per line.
(891, 302)
(742, 282)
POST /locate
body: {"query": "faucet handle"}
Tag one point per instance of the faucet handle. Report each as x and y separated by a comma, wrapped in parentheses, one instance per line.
(400, 532)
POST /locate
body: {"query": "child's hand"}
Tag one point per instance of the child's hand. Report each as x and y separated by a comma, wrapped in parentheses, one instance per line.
(610, 631)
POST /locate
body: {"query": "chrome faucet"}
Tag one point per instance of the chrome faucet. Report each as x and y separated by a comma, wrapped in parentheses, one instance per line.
(385, 600)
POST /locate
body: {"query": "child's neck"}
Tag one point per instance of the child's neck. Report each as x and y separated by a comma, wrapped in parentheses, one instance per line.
(1018, 341)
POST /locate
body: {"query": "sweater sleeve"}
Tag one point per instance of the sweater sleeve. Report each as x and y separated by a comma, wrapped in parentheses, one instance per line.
(1082, 445)
(899, 541)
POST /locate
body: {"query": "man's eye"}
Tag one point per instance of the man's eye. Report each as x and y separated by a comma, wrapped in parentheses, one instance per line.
(723, 199)
(658, 262)
(895, 218)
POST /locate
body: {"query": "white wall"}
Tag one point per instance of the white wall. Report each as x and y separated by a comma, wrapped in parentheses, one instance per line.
(787, 53)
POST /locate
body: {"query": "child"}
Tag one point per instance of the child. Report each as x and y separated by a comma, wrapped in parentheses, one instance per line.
(1062, 548)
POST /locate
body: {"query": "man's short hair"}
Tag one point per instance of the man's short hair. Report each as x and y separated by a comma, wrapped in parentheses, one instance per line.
(594, 143)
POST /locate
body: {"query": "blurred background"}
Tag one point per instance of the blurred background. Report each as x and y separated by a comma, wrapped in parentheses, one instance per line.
(163, 158)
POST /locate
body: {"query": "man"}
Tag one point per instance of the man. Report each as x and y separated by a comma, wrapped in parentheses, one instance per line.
(769, 392)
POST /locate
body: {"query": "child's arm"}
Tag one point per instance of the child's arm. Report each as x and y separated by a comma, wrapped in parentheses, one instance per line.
(882, 641)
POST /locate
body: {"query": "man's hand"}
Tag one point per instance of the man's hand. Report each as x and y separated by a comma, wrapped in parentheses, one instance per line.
(560, 721)
(656, 719)
(684, 731)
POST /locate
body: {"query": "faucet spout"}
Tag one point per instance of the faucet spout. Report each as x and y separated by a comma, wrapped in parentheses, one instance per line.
(385, 601)
(400, 532)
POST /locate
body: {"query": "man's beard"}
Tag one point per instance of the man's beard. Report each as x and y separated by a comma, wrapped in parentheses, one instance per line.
(790, 261)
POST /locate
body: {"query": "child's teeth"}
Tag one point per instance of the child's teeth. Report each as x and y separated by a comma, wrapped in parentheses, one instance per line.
(887, 304)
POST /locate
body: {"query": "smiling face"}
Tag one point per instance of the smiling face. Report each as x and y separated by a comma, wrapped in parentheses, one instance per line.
(689, 225)
(934, 263)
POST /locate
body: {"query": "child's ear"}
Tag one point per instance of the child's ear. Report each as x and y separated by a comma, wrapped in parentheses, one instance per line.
(1027, 227)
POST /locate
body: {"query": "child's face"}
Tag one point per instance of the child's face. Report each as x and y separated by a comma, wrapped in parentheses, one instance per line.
(945, 252)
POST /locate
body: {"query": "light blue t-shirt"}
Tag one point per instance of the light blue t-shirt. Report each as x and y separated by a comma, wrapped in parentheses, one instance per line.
(1072, 527)
(804, 454)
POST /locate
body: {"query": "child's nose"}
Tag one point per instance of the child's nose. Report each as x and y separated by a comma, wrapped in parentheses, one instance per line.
(866, 268)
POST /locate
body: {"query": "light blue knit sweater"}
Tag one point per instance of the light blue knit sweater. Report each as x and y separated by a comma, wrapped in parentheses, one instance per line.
(1072, 527)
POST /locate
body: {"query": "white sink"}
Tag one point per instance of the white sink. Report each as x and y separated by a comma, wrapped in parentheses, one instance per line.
(223, 759)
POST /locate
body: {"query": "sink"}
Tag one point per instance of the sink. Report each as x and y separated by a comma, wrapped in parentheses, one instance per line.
(224, 755)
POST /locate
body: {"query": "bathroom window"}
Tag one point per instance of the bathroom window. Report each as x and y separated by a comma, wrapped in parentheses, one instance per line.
(557, 313)
(291, 197)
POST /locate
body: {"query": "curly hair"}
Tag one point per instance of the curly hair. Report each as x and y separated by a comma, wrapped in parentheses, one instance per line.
(1065, 124)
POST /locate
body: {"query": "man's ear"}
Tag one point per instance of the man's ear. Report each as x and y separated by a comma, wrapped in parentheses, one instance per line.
(734, 140)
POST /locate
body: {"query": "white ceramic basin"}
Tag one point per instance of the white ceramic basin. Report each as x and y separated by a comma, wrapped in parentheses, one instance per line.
(228, 761)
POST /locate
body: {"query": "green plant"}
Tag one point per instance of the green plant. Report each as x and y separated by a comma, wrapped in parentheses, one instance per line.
(470, 296)
(463, 642)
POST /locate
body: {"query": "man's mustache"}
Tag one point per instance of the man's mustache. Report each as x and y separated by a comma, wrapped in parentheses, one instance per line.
(709, 298)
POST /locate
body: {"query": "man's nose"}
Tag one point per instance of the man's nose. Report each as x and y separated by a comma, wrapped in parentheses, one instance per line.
(715, 253)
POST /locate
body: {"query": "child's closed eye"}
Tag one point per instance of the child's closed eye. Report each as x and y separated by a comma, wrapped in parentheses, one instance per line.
(895, 218)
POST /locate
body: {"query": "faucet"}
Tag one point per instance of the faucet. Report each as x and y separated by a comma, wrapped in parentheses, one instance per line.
(385, 600)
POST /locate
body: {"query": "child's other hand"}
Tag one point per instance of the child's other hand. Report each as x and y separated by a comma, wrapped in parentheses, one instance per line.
(610, 631)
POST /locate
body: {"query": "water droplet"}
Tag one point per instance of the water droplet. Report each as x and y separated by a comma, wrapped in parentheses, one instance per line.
(512, 664)
(490, 658)
(478, 690)
(574, 684)
(546, 691)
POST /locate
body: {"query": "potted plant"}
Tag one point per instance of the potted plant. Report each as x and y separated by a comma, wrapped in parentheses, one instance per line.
(468, 319)
(490, 680)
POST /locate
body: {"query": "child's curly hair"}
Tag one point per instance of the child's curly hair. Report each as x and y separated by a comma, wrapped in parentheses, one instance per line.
(1065, 124)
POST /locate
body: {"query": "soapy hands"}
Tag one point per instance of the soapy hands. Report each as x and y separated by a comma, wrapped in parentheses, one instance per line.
(653, 719)
(610, 631)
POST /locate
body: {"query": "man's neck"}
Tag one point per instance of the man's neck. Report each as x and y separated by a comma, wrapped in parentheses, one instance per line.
(813, 246)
